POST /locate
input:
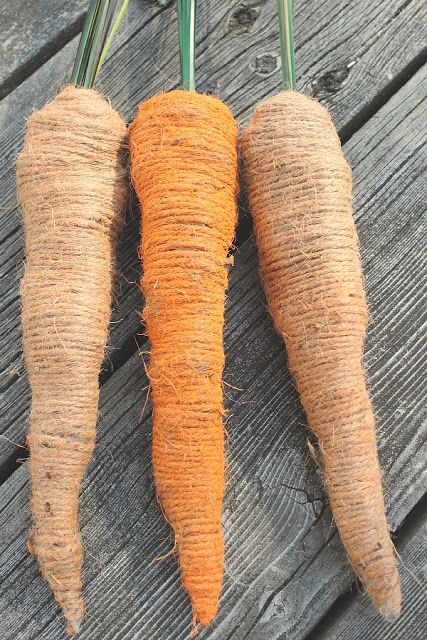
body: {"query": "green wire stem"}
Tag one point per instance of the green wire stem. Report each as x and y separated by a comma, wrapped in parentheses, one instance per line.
(186, 10)
(95, 41)
(287, 53)
(99, 34)
(111, 36)
(84, 44)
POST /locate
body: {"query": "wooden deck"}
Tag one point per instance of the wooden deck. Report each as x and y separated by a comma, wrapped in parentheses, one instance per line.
(287, 577)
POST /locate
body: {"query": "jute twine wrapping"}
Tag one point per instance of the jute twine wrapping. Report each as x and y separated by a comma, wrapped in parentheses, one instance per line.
(300, 196)
(184, 165)
(71, 187)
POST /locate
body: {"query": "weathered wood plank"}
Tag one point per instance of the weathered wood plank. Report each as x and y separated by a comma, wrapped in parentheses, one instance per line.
(35, 31)
(285, 565)
(234, 38)
(31, 33)
(357, 619)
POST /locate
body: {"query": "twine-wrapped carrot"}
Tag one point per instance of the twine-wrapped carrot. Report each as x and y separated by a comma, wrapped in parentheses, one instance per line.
(71, 188)
(184, 166)
(299, 187)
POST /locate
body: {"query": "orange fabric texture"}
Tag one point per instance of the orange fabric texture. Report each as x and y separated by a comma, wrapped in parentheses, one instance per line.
(184, 168)
(299, 187)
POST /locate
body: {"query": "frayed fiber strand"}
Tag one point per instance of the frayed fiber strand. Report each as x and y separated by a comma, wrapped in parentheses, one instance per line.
(184, 166)
(71, 188)
(300, 196)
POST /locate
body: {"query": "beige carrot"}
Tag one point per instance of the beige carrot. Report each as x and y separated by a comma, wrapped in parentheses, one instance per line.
(300, 196)
(71, 187)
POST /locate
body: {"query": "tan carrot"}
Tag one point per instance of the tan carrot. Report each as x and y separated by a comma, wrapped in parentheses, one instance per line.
(300, 195)
(184, 165)
(71, 187)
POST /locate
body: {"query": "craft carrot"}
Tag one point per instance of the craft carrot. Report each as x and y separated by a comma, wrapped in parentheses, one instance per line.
(184, 163)
(184, 168)
(71, 187)
(300, 195)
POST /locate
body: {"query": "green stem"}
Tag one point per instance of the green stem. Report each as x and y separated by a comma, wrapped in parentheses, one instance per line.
(95, 40)
(100, 33)
(287, 43)
(84, 44)
(111, 36)
(187, 42)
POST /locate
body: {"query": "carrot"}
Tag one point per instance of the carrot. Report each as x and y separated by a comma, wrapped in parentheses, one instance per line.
(184, 165)
(299, 186)
(183, 149)
(300, 196)
(71, 187)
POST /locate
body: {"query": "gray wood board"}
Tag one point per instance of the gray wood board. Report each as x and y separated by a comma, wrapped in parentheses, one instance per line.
(335, 36)
(35, 31)
(357, 620)
(285, 565)
(31, 31)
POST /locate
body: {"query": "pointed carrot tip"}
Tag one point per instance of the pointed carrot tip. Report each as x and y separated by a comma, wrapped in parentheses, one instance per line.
(388, 599)
(73, 627)
(203, 614)
(390, 612)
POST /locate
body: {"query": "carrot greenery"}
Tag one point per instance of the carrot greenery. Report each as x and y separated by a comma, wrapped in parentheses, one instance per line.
(96, 40)
(287, 43)
(186, 10)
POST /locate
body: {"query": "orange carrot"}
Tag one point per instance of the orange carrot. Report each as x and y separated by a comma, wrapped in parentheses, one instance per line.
(300, 195)
(71, 187)
(184, 165)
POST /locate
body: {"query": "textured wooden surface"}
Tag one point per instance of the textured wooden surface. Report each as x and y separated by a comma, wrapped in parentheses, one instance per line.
(285, 567)
(31, 32)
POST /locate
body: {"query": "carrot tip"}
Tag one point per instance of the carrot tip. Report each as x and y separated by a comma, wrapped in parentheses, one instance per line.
(203, 618)
(390, 612)
(73, 627)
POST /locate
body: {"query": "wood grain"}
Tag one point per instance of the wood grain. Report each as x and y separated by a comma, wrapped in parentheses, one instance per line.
(32, 32)
(35, 31)
(237, 58)
(285, 565)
